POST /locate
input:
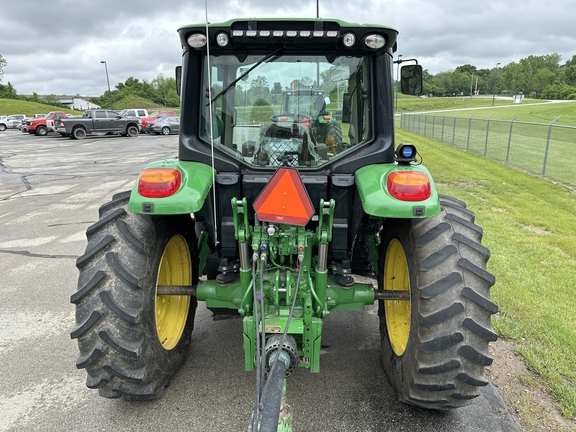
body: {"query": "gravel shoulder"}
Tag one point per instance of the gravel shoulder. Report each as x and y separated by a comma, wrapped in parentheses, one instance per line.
(525, 392)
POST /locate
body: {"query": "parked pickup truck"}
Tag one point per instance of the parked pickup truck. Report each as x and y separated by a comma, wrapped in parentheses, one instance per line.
(39, 126)
(94, 121)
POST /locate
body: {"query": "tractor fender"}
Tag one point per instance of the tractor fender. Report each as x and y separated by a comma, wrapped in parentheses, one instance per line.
(189, 198)
(371, 181)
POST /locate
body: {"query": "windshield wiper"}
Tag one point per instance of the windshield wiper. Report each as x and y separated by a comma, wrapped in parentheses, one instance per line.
(258, 63)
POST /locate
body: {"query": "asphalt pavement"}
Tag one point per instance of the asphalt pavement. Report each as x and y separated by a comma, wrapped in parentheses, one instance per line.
(50, 192)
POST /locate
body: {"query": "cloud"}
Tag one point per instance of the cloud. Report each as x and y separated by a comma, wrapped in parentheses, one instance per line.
(56, 47)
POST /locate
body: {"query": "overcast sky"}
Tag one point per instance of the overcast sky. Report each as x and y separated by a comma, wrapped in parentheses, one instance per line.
(56, 46)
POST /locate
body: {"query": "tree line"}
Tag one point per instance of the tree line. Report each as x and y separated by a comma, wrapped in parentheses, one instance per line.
(540, 77)
(161, 91)
(543, 77)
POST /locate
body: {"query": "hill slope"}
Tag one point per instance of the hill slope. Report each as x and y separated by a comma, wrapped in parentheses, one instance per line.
(14, 106)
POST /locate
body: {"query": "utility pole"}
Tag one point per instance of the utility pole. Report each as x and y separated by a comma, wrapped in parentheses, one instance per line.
(495, 83)
(108, 81)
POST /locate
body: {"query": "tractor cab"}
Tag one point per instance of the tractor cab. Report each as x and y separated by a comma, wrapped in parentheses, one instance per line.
(308, 108)
(258, 130)
(308, 101)
(312, 95)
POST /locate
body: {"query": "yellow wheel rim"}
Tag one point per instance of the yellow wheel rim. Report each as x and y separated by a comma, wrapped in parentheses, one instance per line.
(172, 311)
(397, 312)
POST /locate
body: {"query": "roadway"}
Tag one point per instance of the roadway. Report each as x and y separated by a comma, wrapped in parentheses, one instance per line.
(50, 192)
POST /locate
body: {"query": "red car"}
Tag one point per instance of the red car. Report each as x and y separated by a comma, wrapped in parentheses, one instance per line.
(155, 116)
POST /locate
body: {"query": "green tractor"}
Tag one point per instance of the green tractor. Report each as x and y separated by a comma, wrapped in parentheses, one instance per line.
(308, 107)
(271, 223)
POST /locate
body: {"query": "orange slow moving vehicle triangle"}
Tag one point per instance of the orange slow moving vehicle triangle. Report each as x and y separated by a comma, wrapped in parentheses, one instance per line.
(284, 200)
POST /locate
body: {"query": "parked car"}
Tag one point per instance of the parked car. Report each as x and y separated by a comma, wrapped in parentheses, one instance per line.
(11, 122)
(155, 116)
(164, 126)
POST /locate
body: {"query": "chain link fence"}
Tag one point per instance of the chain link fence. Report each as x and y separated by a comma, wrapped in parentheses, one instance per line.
(544, 149)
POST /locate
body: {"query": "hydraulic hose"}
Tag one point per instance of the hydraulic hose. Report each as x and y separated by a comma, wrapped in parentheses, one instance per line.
(255, 410)
(273, 395)
(286, 327)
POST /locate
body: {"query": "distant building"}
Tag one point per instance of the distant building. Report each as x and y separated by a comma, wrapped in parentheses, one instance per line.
(78, 103)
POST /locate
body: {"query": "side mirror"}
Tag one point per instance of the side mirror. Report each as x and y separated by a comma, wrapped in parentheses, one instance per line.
(178, 74)
(411, 79)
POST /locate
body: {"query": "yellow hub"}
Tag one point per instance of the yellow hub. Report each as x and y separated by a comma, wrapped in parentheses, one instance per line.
(172, 311)
(397, 312)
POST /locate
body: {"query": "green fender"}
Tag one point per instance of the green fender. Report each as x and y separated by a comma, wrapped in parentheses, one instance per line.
(196, 183)
(377, 201)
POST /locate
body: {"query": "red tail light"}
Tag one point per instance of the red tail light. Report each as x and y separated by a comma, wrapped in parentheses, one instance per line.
(409, 185)
(159, 182)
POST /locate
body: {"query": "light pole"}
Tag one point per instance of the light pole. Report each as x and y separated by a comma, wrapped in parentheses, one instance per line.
(398, 79)
(495, 82)
(471, 84)
(108, 81)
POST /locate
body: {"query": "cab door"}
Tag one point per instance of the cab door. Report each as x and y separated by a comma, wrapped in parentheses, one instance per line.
(101, 121)
(116, 123)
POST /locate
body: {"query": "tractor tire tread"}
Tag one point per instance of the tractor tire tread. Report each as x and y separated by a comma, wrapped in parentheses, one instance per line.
(444, 363)
(115, 323)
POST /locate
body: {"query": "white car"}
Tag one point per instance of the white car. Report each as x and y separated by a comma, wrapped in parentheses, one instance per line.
(11, 122)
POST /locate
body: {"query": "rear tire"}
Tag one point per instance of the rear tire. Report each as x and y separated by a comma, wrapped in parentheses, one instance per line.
(335, 130)
(132, 341)
(79, 133)
(132, 131)
(435, 347)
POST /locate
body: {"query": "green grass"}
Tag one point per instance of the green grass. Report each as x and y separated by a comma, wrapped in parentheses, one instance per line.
(540, 112)
(415, 103)
(524, 149)
(530, 228)
(13, 106)
(133, 101)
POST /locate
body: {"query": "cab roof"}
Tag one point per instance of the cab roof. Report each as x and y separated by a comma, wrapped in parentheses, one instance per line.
(257, 26)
